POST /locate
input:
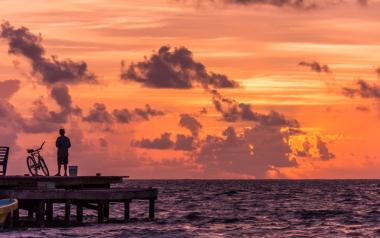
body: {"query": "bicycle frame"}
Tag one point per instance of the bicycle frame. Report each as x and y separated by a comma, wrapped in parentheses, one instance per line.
(37, 161)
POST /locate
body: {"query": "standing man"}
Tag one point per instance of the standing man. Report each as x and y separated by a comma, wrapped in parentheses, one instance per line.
(63, 144)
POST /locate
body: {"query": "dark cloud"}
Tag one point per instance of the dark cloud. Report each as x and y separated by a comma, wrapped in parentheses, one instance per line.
(203, 111)
(233, 111)
(184, 142)
(44, 120)
(253, 152)
(278, 3)
(363, 89)
(125, 115)
(122, 115)
(190, 123)
(147, 112)
(10, 124)
(315, 66)
(60, 93)
(362, 109)
(8, 88)
(363, 2)
(295, 4)
(174, 69)
(320, 147)
(103, 142)
(324, 153)
(378, 72)
(256, 151)
(52, 70)
(163, 142)
(98, 114)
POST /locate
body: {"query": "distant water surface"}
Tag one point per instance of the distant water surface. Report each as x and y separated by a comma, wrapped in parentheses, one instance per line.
(240, 208)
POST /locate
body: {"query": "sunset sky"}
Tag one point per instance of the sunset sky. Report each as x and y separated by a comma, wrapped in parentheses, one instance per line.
(192, 88)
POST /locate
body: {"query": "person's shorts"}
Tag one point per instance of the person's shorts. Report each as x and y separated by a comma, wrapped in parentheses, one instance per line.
(62, 159)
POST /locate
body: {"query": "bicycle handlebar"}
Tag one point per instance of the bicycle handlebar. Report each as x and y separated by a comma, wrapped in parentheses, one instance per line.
(37, 150)
(42, 145)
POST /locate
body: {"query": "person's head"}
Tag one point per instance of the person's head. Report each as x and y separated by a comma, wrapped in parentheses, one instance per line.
(62, 132)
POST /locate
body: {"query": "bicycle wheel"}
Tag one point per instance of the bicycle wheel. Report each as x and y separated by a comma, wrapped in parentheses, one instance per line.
(44, 167)
(32, 165)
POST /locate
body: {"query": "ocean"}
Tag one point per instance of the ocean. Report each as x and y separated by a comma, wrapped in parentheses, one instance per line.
(239, 208)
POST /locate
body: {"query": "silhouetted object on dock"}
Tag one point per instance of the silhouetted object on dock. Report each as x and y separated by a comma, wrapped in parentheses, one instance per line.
(63, 144)
(4, 153)
(35, 161)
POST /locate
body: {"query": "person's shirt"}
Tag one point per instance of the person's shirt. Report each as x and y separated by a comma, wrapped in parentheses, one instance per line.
(63, 144)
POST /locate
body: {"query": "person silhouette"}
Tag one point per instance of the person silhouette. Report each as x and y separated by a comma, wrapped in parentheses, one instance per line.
(63, 144)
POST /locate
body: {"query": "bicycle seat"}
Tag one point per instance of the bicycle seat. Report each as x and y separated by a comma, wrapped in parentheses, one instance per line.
(30, 150)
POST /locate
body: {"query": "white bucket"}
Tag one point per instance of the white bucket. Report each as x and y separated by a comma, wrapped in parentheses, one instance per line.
(73, 170)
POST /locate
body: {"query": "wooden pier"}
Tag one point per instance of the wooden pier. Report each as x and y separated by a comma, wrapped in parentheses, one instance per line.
(38, 194)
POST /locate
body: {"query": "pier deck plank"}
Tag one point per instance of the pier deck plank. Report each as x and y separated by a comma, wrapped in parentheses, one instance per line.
(83, 194)
(59, 181)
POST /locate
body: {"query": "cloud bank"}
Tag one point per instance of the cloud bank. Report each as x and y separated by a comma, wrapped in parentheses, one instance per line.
(174, 69)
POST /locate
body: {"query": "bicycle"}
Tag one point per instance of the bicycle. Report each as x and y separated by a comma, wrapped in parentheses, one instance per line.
(35, 162)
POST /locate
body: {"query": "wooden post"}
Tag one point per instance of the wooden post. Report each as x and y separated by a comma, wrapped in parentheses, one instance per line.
(16, 217)
(67, 212)
(107, 210)
(126, 210)
(49, 211)
(100, 211)
(79, 212)
(40, 212)
(151, 208)
(30, 212)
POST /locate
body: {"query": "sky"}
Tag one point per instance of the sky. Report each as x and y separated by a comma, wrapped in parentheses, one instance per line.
(212, 89)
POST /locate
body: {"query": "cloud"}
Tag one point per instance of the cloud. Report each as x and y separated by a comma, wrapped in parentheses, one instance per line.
(60, 93)
(363, 2)
(126, 116)
(183, 142)
(315, 147)
(174, 69)
(315, 66)
(295, 4)
(363, 89)
(147, 112)
(323, 150)
(253, 152)
(103, 143)
(378, 72)
(45, 120)
(122, 115)
(190, 123)
(10, 124)
(42, 119)
(52, 70)
(233, 111)
(362, 109)
(163, 142)
(100, 114)
(8, 88)
(257, 151)
(277, 3)
(203, 111)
